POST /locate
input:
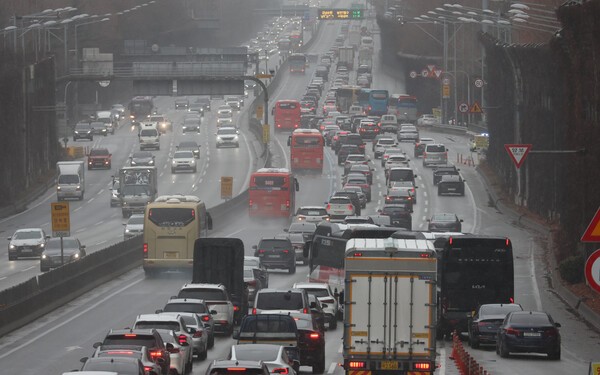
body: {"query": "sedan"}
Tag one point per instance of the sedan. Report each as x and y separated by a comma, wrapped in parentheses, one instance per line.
(306, 229)
(26, 242)
(254, 262)
(274, 356)
(444, 222)
(180, 354)
(72, 250)
(134, 226)
(141, 158)
(252, 281)
(199, 334)
(528, 332)
(483, 327)
(140, 352)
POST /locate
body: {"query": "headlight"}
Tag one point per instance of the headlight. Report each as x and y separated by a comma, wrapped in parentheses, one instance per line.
(133, 162)
(151, 162)
(42, 245)
(58, 188)
(44, 256)
(11, 246)
(173, 163)
(193, 162)
(76, 255)
(127, 231)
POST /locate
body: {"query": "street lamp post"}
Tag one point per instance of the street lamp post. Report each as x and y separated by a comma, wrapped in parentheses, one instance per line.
(77, 41)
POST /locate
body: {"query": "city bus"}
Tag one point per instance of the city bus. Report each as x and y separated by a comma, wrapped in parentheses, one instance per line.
(272, 193)
(172, 223)
(297, 63)
(363, 98)
(296, 40)
(140, 107)
(473, 270)
(406, 108)
(378, 102)
(306, 150)
(286, 114)
(346, 96)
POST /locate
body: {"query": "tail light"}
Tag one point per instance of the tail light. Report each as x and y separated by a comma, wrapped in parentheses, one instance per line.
(261, 251)
(305, 310)
(356, 364)
(328, 301)
(281, 370)
(314, 336)
(147, 369)
(254, 311)
(512, 300)
(512, 331)
(182, 339)
(328, 207)
(198, 334)
(250, 202)
(145, 250)
(206, 318)
(252, 283)
(155, 353)
(350, 207)
(174, 350)
(287, 203)
(551, 332)
(236, 308)
(286, 251)
(422, 366)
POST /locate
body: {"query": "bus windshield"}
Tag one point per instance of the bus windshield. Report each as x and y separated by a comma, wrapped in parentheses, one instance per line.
(171, 217)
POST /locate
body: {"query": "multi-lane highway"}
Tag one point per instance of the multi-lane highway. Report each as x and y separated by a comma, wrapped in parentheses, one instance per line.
(56, 342)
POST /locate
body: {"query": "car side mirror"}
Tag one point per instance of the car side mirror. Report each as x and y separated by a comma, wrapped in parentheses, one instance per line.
(313, 305)
(254, 247)
(286, 230)
(213, 312)
(97, 345)
(169, 346)
(461, 220)
(324, 305)
(236, 333)
(83, 360)
(82, 247)
(158, 311)
(8, 238)
(124, 224)
(557, 325)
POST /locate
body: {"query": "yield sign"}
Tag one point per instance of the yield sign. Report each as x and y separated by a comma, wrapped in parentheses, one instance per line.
(592, 233)
(437, 72)
(518, 153)
(431, 67)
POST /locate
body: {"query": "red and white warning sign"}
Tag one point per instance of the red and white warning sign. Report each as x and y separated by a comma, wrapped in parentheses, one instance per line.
(592, 270)
(518, 153)
(592, 233)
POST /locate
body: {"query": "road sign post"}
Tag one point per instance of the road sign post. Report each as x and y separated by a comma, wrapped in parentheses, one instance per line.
(266, 133)
(518, 153)
(226, 187)
(61, 224)
(445, 91)
(259, 111)
(592, 270)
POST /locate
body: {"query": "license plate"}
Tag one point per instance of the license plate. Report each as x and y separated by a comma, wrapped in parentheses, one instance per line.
(273, 256)
(389, 365)
(171, 255)
(451, 189)
(26, 250)
(532, 334)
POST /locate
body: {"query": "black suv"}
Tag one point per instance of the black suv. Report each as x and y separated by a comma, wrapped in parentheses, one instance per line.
(83, 130)
(400, 214)
(276, 253)
(451, 184)
(149, 338)
(355, 139)
(442, 170)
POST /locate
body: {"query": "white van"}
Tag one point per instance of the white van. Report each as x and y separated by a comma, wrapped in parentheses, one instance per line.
(149, 136)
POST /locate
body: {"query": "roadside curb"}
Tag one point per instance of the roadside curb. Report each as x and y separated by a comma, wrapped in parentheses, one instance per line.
(556, 283)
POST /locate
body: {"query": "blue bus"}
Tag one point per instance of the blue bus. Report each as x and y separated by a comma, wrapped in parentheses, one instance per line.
(378, 103)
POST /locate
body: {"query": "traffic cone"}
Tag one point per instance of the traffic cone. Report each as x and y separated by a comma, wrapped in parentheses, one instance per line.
(453, 354)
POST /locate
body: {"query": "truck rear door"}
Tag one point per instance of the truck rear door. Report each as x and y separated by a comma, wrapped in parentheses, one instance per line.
(390, 316)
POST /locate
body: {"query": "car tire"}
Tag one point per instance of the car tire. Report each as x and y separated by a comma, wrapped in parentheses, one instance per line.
(211, 341)
(319, 368)
(503, 350)
(12, 257)
(473, 343)
(554, 355)
(203, 355)
(44, 269)
(292, 270)
(333, 324)
(195, 169)
(439, 191)
(173, 171)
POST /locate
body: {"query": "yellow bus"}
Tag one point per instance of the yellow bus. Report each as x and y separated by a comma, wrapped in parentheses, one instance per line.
(172, 223)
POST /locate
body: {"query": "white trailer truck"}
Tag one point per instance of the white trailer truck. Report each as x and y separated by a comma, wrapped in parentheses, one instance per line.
(390, 306)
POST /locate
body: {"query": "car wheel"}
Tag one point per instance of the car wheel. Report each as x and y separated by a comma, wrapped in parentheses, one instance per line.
(211, 340)
(555, 355)
(292, 270)
(195, 169)
(439, 191)
(473, 343)
(43, 269)
(319, 368)
(172, 170)
(333, 324)
(503, 350)
(202, 356)
(12, 257)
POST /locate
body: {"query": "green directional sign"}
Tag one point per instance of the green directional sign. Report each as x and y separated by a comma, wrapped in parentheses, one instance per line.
(340, 14)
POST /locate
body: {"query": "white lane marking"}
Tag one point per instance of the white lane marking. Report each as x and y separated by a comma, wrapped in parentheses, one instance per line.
(536, 291)
(332, 368)
(80, 230)
(442, 361)
(100, 192)
(69, 320)
(4, 277)
(100, 243)
(424, 193)
(424, 218)
(77, 209)
(28, 268)
(100, 222)
(341, 349)
(234, 233)
(91, 199)
(46, 223)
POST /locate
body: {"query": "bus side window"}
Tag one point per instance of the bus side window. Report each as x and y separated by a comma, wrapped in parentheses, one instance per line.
(297, 184)
(273, 111)
(209, 222)
(289, 141)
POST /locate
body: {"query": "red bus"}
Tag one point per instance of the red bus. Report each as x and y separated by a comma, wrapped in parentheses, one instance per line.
(287, 114)
(272, 193)
(306, 150)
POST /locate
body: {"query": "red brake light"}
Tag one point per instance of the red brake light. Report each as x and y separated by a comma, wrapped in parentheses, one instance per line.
(250, 203)
(422, 366)
(147, 368)
(425, 255)
(287, 203)
(130, 335)
(356, 364)
(328, 207)
(512, 331)
(236, 308)
(205, 318)
(236, 369)
(253, 311)
(512, 300)
(198, 333)
(116, 352)
(155, 353)
(286, 251)
(314, 336)
(182, 339)
(305, 310)
(145, 254)
(281, 370)
(261, 251)
(350, 207)
(357, 254)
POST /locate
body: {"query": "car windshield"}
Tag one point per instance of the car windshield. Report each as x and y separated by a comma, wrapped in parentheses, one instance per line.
(188, 145)
(312, 211)
(119, 367)
(443, 217)
(67, 243)
(137, 190)
(130, 339)
(148, 133)
(317, 292)
(498, 309)
(226, 131)
(136, 220)
(98, 152)
(120, 353)
(142, 155)
(436, 148)
(82, 127)
(158, 325)
(68, 179)
(262, 353)
(189, 307)
(201, 293)
(27, 235)
(302, 227)
(183, 155)
(190, 320)
(530, 319)
(279, 301)
(274, 244)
